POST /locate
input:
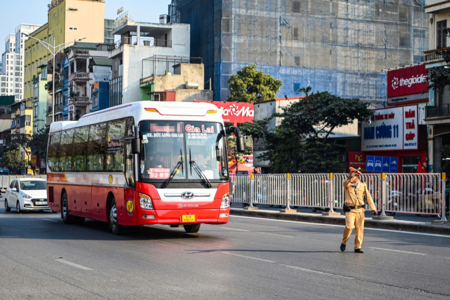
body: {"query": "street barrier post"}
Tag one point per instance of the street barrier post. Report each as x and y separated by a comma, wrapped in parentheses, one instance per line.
(383, 216)
(442, 199)
(331, 198)
(251, 207)
(288, 209)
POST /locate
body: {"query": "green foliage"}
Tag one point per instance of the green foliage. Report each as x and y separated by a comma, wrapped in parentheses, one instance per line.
(251, 85)
(301, 142)
(38, 143)
(11, 160)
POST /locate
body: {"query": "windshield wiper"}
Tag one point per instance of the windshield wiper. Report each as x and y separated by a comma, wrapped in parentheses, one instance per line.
(198, 170)
(174, 172)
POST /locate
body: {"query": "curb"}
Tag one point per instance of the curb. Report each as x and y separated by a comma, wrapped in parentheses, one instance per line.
(443, 229)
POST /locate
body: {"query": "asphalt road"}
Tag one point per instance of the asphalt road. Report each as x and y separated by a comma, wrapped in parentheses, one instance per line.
(397, 216)
(41, 258)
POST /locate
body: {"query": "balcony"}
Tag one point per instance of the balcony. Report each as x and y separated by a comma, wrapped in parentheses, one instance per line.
(81, 53)
(437, 112)
(79, 77)
(435, 55)
(80, 100)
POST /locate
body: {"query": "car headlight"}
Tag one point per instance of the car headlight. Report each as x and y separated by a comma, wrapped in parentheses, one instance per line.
(225, 201)
(145, 201)
(25, 196)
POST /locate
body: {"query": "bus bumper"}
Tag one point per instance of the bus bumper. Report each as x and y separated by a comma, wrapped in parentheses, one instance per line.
(169, 217)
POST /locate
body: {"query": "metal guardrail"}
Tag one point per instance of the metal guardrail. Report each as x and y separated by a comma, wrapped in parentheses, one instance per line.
(7, 179)
(393, 192)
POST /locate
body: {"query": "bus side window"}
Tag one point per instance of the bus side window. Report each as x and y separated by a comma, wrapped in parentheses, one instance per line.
(66, 150)
(79, 149)
(97, 147)
(116, 135)
(53, 152)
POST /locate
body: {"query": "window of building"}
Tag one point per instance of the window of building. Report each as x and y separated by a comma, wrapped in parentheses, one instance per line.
(54, 15)
(441, 37)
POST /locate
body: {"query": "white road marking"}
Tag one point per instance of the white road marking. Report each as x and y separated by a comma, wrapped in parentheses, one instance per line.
(228, 228)
(54, 221)
(392, 250)
(73, 264)
(317, 272)
(341, 226)
(250, 257)
(279, 235)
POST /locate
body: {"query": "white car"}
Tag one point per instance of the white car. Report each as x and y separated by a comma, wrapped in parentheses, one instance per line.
(26, 194)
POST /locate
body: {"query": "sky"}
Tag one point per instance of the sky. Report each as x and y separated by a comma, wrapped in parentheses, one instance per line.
(35, 12)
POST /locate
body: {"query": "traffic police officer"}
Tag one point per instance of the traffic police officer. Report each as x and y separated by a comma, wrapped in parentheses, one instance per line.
(354, 199)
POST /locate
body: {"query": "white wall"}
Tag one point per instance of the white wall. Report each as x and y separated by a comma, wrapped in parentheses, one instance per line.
(133, 56)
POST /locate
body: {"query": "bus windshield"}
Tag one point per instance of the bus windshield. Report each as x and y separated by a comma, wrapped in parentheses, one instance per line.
(164, 144)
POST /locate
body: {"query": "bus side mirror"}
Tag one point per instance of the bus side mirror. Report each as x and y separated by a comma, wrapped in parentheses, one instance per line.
(239, 138)
(136, 142)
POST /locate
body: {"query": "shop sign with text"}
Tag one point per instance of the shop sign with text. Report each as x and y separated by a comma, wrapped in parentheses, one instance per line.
(391, 129)
(407, 85)
(235, 112)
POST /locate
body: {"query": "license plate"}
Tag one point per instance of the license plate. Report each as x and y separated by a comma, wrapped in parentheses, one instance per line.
(41, 202)
(188, 218)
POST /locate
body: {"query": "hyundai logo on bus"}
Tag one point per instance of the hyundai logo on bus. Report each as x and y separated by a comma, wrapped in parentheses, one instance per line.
(187, 195)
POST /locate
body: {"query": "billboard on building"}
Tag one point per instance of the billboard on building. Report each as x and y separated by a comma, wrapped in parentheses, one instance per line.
(102, 74)
(407, 85)
(235, 112)
(391, 129)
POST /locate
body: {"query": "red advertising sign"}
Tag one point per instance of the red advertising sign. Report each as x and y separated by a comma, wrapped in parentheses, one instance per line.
(159, 173)
(407, 85)
(234, 112)
(357, 160)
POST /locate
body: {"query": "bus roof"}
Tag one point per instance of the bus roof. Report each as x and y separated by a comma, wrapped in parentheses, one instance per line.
(147, 110)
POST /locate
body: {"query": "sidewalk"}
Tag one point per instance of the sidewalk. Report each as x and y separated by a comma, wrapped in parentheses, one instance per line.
(412, 226)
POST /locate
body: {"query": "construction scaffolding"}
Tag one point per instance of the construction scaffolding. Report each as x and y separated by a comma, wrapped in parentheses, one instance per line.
(340, 46)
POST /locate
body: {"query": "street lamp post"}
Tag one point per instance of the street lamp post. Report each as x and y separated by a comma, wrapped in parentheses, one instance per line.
(56, 49)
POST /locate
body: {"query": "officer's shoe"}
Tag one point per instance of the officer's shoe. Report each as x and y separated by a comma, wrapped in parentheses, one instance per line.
(358, 251)
(342, 247)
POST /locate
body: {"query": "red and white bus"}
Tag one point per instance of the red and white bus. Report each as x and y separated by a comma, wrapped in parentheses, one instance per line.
(142, 163)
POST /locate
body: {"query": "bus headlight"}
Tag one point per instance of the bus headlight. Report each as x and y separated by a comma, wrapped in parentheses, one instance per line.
(225, 201)
(145, 201)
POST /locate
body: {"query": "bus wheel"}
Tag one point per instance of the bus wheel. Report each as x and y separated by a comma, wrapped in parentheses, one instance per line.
(113, 220)
(67, 219)
(192, 228)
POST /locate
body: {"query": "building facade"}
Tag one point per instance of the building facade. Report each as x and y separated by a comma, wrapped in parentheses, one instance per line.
(339, 46)
(12, 75)
(86, 64)
(131, 57)
(68, 21)
(438, 110)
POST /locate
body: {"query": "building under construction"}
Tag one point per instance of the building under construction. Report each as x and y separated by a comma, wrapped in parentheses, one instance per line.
(340, 46)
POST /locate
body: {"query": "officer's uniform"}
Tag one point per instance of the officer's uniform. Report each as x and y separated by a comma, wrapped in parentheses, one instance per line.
(355, 217)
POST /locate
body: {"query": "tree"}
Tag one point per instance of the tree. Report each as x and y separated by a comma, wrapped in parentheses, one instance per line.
(251, 85)
(20, 140)
(301, 142)
(38, 143)
(11, 160)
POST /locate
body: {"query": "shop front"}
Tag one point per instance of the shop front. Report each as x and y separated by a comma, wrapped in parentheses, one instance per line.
(392, 142)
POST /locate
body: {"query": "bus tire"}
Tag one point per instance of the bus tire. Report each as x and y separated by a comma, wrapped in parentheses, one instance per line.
(194, 228)
(65, 216)
(113, 220)
(7, 208)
